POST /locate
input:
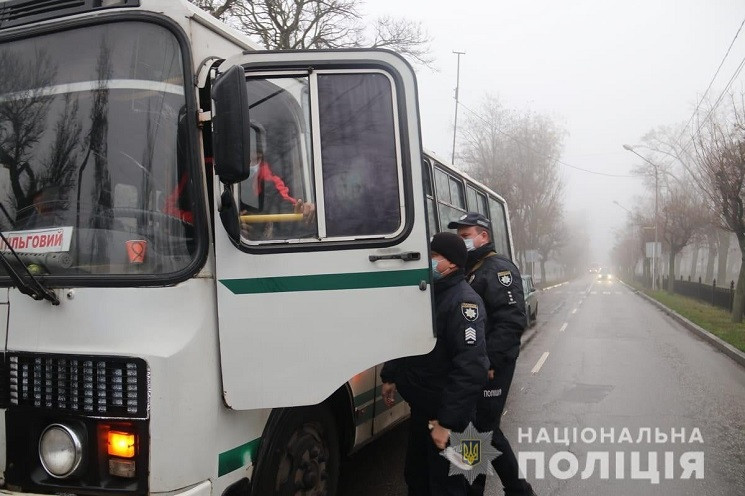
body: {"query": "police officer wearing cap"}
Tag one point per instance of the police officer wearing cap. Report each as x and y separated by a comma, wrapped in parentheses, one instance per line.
(497, 280)
(442, 386)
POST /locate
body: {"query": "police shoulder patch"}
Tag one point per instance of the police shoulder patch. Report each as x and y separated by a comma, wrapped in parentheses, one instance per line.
(470, 336)
(505, 277)
(470, 311)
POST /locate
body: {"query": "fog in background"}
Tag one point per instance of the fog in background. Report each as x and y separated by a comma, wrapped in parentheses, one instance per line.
(608, 72)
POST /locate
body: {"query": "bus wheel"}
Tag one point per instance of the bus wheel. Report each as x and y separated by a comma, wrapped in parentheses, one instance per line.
(304, 459)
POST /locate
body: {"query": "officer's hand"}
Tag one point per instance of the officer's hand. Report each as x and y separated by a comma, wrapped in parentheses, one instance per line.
(491, 374)
(440, 435)
(389, 393)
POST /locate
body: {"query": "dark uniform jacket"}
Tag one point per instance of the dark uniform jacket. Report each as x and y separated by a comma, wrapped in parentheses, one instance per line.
(497, 280)
(445, 383)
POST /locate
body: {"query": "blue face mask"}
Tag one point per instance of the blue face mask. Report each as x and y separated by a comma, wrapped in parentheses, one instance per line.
(436, 274)
(469, 244)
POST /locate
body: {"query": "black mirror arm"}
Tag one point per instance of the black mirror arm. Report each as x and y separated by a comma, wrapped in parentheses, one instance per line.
(229, 215)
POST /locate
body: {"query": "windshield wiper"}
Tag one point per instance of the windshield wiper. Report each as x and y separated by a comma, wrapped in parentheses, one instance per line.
(35, 289)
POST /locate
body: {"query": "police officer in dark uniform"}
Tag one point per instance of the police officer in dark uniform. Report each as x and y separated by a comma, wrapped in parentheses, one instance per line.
(442, 386)
(497, 280)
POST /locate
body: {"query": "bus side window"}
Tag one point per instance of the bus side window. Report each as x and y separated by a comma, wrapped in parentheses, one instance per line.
(451, 199)
(499, 228)
(431, 206)
(476, 201)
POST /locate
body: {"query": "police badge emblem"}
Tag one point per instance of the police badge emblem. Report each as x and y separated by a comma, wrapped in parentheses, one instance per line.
(470, 453)
(505, 278)
(470, 311)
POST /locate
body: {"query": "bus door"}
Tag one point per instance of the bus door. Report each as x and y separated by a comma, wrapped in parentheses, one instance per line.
(321, 247)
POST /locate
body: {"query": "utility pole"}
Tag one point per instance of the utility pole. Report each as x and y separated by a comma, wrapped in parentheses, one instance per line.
(656, 201)
(457, 87)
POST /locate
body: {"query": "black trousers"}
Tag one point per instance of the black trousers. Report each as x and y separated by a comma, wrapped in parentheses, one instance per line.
(426, 471)
(488, 417)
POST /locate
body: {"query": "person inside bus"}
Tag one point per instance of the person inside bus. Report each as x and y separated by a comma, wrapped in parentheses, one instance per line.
(44, 211)
(265, 192)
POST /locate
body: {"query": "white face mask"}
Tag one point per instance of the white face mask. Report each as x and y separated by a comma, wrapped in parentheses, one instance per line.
(469, 244)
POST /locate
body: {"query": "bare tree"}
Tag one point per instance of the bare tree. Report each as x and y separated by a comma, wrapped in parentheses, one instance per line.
(308, 24)
(683, 216)
(720, 155)
(516, 154)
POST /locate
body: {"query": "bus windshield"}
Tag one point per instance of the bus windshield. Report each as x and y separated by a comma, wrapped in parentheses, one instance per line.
(94, 152)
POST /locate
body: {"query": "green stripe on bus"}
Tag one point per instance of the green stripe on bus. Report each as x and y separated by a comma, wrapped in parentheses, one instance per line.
(325, 282)
(367, 396)
(238, 457)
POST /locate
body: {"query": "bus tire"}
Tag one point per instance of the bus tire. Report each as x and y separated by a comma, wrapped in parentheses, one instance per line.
(301, 456)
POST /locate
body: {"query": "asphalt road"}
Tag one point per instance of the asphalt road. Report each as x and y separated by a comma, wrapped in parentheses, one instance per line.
(603, 361)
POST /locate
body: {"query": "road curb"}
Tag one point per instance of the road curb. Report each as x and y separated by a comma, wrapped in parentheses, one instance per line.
(723, 346)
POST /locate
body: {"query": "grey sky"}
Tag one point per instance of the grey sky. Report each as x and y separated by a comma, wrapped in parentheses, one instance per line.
(608, 71)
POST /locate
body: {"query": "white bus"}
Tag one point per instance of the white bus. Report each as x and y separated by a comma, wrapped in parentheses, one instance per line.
(172, 319)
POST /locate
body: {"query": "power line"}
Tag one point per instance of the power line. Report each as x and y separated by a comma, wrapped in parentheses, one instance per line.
(527, 146)
(721, 95)
(711, 83)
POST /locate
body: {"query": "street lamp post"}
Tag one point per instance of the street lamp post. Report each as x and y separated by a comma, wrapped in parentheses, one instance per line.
(656, 201)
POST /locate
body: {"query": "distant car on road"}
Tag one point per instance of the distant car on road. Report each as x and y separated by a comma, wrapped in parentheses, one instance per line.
(604, 274)
(531, 300)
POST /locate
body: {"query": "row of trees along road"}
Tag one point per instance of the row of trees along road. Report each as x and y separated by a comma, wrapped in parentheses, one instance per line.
(701, 171)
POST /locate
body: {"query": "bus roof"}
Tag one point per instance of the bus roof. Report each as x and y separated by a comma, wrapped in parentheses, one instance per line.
(459, 172)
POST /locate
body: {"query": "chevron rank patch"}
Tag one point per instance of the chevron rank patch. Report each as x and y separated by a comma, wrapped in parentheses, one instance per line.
(505, 277)
(470, 335)
(470, 311)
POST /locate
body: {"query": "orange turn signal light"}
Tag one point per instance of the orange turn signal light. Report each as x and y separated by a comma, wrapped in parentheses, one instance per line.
(121, 444)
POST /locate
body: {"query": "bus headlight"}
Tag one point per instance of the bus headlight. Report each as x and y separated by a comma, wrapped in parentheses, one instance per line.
(61, 450)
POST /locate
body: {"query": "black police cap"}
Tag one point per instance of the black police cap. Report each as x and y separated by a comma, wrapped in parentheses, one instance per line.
(470, 219)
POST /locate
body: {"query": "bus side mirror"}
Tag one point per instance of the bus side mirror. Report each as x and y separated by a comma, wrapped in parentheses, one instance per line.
(231, 130)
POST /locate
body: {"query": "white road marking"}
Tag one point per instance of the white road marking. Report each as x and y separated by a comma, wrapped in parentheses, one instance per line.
(540, 363)
(593, 292)
(619, 292)
(606, 292)
(563, 328)
(574, 311)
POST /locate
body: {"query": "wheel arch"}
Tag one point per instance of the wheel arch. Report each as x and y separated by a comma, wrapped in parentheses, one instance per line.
(340, 405)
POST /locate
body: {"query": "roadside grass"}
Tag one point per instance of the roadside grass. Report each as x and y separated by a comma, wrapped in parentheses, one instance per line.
(713, 319)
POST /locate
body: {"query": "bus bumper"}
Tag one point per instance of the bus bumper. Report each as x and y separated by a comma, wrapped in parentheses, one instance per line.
(201, 489)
